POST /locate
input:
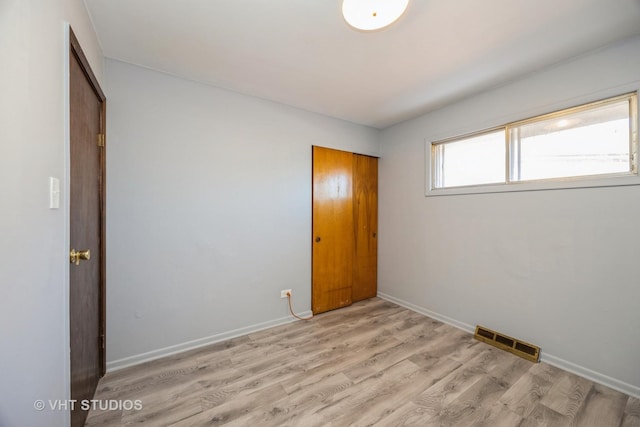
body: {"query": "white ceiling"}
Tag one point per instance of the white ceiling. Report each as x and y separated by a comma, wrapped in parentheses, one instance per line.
(302, 53)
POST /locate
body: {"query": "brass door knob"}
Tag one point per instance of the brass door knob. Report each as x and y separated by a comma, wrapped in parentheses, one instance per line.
(76, 256)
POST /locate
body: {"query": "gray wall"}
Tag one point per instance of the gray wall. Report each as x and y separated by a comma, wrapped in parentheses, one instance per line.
(34, 248)
(208, 210)
(555, 268)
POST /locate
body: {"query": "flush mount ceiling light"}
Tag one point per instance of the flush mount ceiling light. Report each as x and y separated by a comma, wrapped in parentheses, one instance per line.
(370, 15)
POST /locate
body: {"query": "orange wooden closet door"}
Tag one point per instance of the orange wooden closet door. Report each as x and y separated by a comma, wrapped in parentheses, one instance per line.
(365, 226)
(333, 238)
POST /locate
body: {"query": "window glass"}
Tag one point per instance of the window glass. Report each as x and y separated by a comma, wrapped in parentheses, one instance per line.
(471, 161)
(591, 142)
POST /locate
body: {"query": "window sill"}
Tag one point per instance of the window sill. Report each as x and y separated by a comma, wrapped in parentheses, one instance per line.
(556, 184)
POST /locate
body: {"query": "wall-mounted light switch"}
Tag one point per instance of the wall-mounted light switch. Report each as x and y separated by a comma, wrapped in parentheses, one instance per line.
(54, 193)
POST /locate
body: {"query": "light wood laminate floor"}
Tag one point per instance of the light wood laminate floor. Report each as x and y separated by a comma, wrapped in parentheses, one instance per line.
(373, 363)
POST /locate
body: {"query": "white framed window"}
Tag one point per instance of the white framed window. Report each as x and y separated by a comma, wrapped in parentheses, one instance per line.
(594, 144)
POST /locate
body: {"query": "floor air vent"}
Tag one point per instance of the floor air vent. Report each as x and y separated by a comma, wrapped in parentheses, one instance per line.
(512, 345)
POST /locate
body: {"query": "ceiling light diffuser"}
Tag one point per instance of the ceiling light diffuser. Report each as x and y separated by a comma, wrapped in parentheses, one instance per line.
(370, 15)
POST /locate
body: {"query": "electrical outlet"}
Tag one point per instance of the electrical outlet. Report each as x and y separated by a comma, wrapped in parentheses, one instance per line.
(284, 292)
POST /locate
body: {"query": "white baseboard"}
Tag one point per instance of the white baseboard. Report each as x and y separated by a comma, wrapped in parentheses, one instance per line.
(544, 357)
(594, 376)
(136, 359)
(444, 319)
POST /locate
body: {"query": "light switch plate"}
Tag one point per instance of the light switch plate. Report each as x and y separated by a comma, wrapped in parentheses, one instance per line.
(54, 193)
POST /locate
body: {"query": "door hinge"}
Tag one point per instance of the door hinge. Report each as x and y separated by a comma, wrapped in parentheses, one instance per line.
(101, 140)
(102, 341)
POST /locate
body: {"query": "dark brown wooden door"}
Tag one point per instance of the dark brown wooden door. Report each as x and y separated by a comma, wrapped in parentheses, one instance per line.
(365, 226)
(332, 271)
(86, 279)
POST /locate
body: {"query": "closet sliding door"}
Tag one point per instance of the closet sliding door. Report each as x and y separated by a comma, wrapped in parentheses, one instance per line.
(365, 227)
(332, 229)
